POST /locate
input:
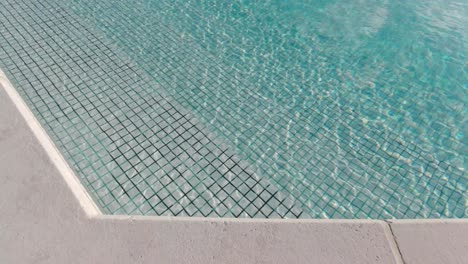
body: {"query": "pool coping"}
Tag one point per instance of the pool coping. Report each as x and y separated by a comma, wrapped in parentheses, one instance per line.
(434, 239)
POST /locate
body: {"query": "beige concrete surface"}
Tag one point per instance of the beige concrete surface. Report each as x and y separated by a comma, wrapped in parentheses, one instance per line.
(41, 221)
(432, 241)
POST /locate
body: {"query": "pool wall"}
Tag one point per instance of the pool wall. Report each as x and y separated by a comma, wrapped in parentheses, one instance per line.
(48, 217)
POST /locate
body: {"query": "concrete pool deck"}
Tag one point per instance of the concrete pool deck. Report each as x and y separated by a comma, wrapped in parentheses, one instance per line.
(47, 217)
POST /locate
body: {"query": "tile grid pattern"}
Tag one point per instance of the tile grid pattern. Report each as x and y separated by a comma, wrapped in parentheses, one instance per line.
(133, 148)
(326, 155)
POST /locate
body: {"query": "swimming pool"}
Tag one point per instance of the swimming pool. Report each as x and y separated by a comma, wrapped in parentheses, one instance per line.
(297, 109)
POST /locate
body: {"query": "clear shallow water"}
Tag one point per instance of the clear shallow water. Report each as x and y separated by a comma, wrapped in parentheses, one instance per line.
(341, 109)
(353, 108)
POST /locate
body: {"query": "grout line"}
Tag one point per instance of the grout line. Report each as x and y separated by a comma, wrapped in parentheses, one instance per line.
(395, 245)
(54, 154)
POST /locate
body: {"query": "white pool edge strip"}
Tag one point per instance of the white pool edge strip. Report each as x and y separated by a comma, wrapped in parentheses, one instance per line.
(54, 154)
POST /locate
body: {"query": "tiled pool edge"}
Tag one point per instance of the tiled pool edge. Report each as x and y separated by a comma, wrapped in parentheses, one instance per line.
(93, 215)
(188, 142)
(86, 202)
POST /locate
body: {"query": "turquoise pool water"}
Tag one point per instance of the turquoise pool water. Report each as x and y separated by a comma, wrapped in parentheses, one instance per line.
(338, 109)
